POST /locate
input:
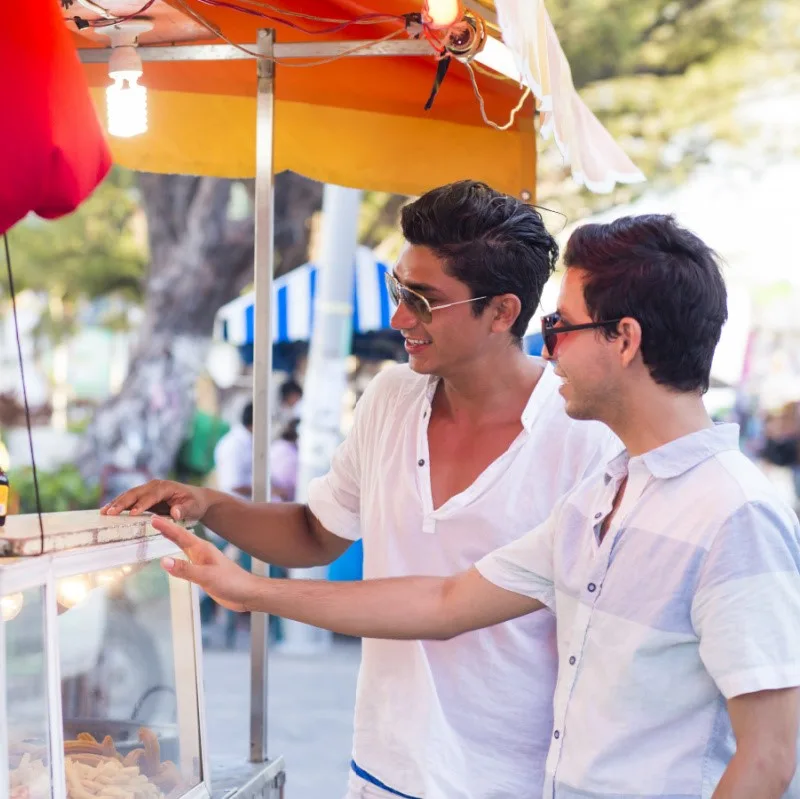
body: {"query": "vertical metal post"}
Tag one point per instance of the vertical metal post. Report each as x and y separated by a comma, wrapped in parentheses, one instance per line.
(262, 367)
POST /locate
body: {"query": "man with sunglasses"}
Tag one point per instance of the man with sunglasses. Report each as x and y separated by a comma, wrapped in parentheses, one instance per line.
(450, 457)
(674, 572)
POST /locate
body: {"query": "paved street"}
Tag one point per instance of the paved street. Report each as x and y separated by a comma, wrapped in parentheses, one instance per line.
(310, 707)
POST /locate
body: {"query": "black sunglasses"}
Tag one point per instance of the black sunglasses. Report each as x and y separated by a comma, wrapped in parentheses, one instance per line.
(550, 332)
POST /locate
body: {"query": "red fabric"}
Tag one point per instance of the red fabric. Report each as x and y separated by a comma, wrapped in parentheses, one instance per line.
(52, 149)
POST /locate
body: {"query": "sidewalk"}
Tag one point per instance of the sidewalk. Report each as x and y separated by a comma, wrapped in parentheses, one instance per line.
(310, 714)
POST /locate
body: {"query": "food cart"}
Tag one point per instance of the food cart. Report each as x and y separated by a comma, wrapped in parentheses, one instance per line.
(70, 728)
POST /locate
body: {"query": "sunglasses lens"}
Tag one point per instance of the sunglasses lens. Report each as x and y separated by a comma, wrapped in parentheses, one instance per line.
(416, 305)
(412, 301)
(549, 336)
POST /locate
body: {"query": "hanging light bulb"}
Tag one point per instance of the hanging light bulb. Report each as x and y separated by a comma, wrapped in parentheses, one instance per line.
(72, 591)
(10, 606)
(126, 99)
(126, 105)
(441, 13)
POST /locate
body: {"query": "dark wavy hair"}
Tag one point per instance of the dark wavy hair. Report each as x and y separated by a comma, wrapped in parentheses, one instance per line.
(657, 272)
(493, 243)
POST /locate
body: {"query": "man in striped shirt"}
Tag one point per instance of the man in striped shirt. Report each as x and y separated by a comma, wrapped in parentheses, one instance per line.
(674, 573)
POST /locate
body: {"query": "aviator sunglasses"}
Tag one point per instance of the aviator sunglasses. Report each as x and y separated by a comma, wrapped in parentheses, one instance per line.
(416, 303)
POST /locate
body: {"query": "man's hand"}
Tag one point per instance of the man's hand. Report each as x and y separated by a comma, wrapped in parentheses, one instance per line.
(225, 582)
(182, 502)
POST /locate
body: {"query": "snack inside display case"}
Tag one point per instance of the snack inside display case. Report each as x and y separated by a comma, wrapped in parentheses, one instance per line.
(130, 722)
(101, 649)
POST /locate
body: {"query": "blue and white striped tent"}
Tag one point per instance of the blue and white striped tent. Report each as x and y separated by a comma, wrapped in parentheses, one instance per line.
(293, 304)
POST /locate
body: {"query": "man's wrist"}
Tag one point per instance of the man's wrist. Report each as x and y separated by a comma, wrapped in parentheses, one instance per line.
(257, 593)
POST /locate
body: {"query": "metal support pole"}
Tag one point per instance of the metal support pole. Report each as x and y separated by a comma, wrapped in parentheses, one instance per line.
(262, 368)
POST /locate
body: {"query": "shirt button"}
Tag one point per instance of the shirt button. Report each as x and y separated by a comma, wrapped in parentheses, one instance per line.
(598, 515)
(591, 588)
(556, 735)
(420, 462)
(572, 661)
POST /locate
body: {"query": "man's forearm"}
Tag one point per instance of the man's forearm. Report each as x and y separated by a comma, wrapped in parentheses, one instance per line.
(284, 534)
(751, 775)
(400, 608)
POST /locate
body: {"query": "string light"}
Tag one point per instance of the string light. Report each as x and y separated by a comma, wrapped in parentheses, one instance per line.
(10, 606)
(72, 591)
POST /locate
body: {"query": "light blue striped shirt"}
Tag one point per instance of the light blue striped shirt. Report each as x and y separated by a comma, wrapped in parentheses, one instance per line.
(691, 598)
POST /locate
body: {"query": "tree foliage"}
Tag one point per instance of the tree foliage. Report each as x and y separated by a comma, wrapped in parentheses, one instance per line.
(666, 78)
(96, 251)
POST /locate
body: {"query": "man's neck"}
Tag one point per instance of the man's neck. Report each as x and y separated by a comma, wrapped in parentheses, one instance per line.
(655, 416)
(490, 389)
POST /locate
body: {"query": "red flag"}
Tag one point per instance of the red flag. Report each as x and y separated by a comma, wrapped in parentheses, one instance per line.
(52, 149)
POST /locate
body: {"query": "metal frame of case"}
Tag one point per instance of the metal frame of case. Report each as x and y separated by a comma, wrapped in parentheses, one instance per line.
(43, 572)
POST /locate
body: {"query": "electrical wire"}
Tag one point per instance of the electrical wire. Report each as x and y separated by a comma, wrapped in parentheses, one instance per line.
(13, 294)
(107, 23)
(367, 19)
(212, 28)
(517, 108)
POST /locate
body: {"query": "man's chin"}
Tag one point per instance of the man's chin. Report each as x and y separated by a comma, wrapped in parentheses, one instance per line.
(422, 366)
(577, 411)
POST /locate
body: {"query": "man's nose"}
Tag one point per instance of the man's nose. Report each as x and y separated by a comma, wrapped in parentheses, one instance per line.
(402, 318)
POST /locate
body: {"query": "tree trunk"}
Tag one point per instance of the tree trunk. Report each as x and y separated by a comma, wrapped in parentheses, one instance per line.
(200, 259)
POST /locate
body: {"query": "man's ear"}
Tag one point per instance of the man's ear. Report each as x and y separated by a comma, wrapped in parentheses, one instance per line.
(505, 311)
(629, 339)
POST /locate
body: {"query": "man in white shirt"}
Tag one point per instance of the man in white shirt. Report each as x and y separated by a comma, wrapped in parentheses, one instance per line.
(674, 573)
(233, 457)
(449, 458)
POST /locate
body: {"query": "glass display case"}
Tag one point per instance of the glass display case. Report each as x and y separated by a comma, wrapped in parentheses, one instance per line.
(101, 687)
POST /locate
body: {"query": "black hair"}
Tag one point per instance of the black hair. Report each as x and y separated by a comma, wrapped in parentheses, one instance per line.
(290, 387)
(247, 415)
(657, 272)
(492, 242)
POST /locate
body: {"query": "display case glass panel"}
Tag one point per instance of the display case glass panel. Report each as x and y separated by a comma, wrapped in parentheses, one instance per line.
(129, 687)
(26, 694)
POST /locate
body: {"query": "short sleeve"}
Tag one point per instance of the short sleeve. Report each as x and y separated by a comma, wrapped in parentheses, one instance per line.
(335, 498)
(746, 608)
(525, 566)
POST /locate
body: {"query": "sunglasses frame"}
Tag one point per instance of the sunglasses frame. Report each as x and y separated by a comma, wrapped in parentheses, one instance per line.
(549, 331)
(425, 314)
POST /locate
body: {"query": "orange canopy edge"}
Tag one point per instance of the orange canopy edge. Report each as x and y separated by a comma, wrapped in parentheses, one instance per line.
(357, 121)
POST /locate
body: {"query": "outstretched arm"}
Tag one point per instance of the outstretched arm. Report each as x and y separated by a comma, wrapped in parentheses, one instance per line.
(400, 608)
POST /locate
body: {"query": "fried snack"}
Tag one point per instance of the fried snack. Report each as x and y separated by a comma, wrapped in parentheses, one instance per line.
(83, 747)
(168, 777)
(30, 779)
(108, 779)
(151, 761)
(109, 750)
(98, 771)
(133, 757)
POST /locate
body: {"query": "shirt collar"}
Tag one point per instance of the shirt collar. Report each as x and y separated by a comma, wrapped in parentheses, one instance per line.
(544, 387)
(677, 457)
